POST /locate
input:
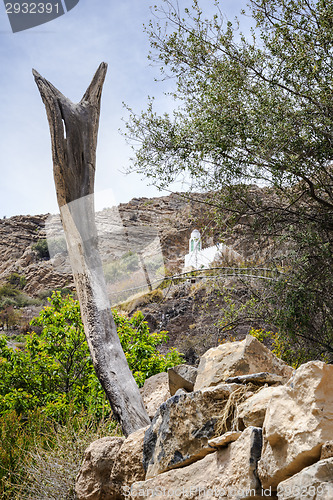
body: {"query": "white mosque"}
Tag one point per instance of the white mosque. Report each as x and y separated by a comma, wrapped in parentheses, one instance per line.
(201, 258)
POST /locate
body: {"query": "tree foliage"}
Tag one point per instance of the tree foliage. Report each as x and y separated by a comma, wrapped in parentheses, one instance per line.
(254, 109)
(55, 373)
(250, 110)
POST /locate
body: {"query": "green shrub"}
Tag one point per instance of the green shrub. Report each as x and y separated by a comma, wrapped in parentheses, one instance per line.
(294, 355)
(8, 290)
(17, 280)
(43, 295)
(42, 249)
(10, 295)
(122, 267)
(55, 373)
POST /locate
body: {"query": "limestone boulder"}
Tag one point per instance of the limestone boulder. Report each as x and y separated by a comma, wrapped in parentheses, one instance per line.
(298, 421)
(228, 473)
(154, 392)
(179, 392)
(128, 467)
(238, 358)
(253, 410)
(182, 377)
(181, 428)
(312, 483)
(92, 482)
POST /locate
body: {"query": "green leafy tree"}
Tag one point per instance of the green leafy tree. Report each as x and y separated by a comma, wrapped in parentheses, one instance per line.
(55, 373)
(251, 110)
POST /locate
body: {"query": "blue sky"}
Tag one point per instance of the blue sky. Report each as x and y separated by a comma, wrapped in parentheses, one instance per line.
(67, 51)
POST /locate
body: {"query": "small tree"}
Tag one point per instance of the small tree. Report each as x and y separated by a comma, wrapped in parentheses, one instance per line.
(254, 110)
(55, 372)
(42, 249)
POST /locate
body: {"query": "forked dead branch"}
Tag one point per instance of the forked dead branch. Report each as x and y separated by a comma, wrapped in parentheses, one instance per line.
(74, 129)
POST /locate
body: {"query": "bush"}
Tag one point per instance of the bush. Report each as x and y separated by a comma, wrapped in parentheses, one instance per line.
(43, 295)
(294, 355)
(55, 372)
(8, 290)
(17, 280)
(42, 249)
(11, 299)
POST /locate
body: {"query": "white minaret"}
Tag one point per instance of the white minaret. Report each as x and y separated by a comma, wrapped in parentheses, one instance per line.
(194, 247)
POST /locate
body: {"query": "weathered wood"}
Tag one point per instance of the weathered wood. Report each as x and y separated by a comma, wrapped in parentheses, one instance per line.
(74, 129)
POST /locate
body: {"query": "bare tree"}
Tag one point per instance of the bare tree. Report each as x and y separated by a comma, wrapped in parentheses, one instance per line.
(74, 129)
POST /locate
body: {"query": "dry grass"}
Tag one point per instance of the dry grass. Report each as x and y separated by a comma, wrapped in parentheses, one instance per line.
(140, 300)
(228, 417)
(50, 472)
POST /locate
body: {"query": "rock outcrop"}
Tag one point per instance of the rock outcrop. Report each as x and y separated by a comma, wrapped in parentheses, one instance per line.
(315, 481)
(182, 377)
(238, 358)
(154, 392)
(276, 443)
(181, 428)
(227, 473)
(168, 216)
(298, 421)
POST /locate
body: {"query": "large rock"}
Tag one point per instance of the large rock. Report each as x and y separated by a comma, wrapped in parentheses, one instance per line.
(182, 377)
(181, 429)
(314, 482)
(154, 392)
(238, 358)
(253, 410)
(92, 482)
(128, 467)
(229, 473)
(298, 421)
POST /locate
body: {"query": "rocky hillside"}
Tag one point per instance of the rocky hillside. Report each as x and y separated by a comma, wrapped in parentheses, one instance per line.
(126, 228)
(189, 311)
(171, 217)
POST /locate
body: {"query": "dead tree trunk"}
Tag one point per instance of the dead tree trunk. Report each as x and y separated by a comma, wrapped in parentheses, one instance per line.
(74, 130)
